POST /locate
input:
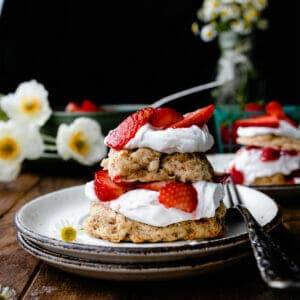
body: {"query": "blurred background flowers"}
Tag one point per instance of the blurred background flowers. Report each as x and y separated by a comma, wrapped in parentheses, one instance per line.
(234, 23)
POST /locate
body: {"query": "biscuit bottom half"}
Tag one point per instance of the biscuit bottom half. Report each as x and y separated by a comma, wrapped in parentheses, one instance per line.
(112, 226)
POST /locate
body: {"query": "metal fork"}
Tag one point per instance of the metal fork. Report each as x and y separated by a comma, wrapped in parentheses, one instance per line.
(276, 269)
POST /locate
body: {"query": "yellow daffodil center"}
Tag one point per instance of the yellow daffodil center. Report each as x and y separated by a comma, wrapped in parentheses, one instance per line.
(79, 144)
(30, 105)
(68, 234)
(9, 148)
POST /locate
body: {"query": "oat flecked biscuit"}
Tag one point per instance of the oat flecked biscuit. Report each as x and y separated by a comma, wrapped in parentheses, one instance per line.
(112, 226)
(270, 140)
(146, 165)
(276, 179)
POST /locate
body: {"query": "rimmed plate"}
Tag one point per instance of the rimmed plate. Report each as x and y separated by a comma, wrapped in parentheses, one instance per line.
(220, 163)
(127, 272)
(37, 220)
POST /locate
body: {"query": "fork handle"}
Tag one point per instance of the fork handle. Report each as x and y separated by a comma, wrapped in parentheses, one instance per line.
(276, 269)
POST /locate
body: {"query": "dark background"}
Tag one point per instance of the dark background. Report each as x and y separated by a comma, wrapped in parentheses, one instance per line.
(131, 51)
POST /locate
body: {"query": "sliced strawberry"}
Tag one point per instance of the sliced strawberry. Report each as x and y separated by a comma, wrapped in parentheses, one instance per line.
(72, 107)
(164, 117)
(88, 106)
(225, 134)
(269, 154)
(179, 195)
(153, 186)
(253, 106)
(105, 188)
(289, 152)
(121, 135)
(260, 121)
(274, 108)
(237, 176)
(197, 117)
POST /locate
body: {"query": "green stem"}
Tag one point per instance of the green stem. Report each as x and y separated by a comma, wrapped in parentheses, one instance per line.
(48, 138)
(50, 147)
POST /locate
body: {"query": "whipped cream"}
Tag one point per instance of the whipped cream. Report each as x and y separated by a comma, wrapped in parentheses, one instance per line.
(143, 206)
(284, 129)
(171, 140)
(249, 162)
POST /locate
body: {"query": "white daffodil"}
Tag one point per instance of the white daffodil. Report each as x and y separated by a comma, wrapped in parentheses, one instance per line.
(260, 4)
(28, 104)
(7, 293)
(18, 141)
(66, 231)
(82, 140)
(230, 12)
(251, 15)
(241, 27)
(208, 33)
(262, 24)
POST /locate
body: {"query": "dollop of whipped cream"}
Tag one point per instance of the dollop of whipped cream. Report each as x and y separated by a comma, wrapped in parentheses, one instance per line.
(284, 129)
(171, 140)
(249, 162)
(143, 206)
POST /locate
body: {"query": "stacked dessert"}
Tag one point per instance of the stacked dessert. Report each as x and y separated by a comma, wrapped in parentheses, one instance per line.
(272, 152)
(157, 184)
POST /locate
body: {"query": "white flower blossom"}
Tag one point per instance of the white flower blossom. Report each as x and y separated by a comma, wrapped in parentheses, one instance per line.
(209, 11)
(82, 140)
(262, 24)
(251, 15)
(28, 104)
(18, 141)
(67, 231)
(229, 12)
(260, 4)
(208, 33)
(241, 27)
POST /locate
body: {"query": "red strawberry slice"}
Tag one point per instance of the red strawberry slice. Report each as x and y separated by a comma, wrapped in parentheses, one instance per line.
(269, 154)
(105, 188)
(121, 135)
(153, 186)
(253, 107)
(72, 107)
(274, 108)
(164, 117)
(197, 117)
(89, 106)
(260, 121)
(237, 176)
(179, 195)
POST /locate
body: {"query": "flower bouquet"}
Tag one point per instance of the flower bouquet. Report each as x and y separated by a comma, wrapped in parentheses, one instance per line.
(23, 114)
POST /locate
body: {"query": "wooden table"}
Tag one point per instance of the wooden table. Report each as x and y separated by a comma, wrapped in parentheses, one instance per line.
(33, 279)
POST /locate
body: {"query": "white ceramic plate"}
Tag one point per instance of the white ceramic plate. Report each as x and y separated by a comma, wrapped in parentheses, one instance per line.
(220, 163)
(136, 272)
(37, 221)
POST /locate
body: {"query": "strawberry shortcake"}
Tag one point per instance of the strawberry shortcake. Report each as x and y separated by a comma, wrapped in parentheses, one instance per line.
(156, 183)
(271, 155)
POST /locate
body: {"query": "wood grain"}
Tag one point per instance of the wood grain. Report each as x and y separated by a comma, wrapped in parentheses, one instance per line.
(12, 191)
(17, 266)
(34, 280)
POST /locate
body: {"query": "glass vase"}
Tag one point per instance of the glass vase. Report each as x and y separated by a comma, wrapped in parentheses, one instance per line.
(234, 68)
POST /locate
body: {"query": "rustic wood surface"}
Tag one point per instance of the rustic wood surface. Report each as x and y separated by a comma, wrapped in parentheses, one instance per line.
(32, 279)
